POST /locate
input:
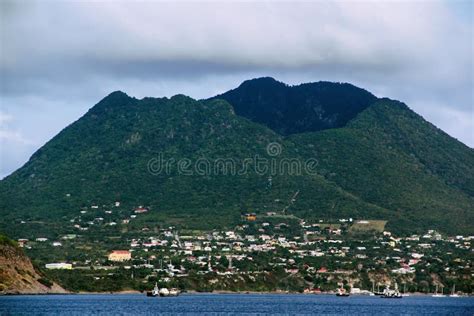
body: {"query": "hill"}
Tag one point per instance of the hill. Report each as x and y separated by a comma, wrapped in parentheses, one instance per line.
(375, 159)
(104, 157)
(17, 274)
(389, 156)
(303, 108)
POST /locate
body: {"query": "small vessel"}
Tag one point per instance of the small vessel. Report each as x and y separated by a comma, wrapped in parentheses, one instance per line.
(389, 293)
(405, 294)
(164, 292)
(378, 293)
(453, 292)
(342, 292)
(438, 294)
(154, 292)
(174, 292)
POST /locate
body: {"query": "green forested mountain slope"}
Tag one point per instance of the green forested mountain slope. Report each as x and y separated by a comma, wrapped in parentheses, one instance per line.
(104, 157)
(385, 162)
(394, 124)
(303, 108)
(379, 157)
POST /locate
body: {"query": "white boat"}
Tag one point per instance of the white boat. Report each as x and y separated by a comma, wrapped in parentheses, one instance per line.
(164, 292)
(453, 292)
(342, 292)
(174, 292)
(388, 293)
(438, 294)
(405, 294)
(154, 292)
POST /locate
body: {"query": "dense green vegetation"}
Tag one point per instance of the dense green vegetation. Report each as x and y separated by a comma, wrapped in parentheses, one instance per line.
(373, 159)
(307, 107)
(5, 241)
(365, 258)
(383, 162)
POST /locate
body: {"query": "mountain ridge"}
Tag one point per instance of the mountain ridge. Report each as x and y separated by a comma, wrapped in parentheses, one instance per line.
(300, 108)
(385, 162)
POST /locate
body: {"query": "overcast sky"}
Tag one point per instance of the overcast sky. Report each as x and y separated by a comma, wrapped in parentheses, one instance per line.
(58, 59)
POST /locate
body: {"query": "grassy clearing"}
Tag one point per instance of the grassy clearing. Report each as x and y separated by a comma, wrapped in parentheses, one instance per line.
(368, 225)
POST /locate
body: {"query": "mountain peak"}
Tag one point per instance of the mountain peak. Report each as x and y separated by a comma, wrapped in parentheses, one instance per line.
(117, 93)
(296, 109)
(111, 101)
(262, 82)
(117, 97)
(387, 163)
(182, 98)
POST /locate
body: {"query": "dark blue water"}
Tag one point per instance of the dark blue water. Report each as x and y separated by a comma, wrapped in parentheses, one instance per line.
(233, 304)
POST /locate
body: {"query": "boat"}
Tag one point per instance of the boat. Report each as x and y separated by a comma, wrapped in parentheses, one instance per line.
(378, 292)
(174, 292)
(164, 292)
(154, 292)
(438, 294)
(389, 293)
(405, 294)
(342, 292)
(373, 289)
(453, 292)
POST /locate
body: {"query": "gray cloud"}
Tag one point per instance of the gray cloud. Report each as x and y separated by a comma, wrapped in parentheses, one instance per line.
(60, 58)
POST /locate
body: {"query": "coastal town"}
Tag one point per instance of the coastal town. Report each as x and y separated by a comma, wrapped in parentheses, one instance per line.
(268, 252)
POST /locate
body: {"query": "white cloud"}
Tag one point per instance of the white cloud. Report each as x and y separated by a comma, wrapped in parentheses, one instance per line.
(463, 126)
(9, 133)
(14, 146)
(245, 33)
(4, 119)
(13, 136)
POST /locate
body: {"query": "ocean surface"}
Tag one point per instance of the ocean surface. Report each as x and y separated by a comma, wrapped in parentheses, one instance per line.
(231, 304)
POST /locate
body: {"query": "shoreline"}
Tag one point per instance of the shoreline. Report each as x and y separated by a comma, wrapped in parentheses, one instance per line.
(135, 292)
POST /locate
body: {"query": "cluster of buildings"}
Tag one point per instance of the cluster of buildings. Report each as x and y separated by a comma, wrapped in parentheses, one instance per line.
(398, 256)
(290, 244)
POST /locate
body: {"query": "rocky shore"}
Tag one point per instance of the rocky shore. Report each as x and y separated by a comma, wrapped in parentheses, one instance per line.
(18, 276)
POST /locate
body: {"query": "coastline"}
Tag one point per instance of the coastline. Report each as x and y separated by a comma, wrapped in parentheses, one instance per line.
(192, 292)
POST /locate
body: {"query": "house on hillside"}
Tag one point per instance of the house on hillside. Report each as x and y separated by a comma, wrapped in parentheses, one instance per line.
(141, 210)
(120, 255)
(22, 242)
(251, 217)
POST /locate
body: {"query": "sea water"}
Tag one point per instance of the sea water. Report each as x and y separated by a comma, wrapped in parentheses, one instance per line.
(232, 304)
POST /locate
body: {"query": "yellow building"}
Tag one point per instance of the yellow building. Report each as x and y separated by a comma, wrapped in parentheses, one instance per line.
(120, 255)
(251, 217)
